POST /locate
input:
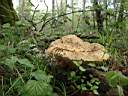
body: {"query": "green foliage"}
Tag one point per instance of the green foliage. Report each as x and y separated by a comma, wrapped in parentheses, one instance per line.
(83, 84)
(22, 50)
(38, 87)
(78, 64)
(21, 58)
(12, 61)
(115, 78)
(41, 75)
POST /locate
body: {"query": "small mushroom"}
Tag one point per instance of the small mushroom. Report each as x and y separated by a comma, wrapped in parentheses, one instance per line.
(72, 47)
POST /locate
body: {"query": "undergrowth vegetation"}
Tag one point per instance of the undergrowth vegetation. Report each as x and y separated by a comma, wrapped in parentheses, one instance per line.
(25, 69)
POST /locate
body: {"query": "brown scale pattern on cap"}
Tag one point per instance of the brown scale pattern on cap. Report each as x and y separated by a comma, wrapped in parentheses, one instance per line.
(73, 48)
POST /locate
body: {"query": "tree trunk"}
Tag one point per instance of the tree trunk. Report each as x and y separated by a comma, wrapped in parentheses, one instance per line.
(7, 12)
(121, 11)
(84, 1)
(106, 7)
(53, 12)
(21, 9)
(99, 16)
(73, 14)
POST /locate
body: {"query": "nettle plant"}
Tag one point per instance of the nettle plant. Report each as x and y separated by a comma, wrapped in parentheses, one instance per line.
(38, 85)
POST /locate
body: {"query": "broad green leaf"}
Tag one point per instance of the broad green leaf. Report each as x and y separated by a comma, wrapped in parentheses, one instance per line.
(11, 50)
(37, 88)
(25, 62)
(41, 75)
(3, 47)
(11, 62)
(115, 78)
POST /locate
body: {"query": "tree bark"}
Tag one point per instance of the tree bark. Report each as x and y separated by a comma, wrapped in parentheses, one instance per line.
(53, 12)
(7, 12)
(99, 16)
(106, 7)
(73, 15)
(84, 1)
(21, 9)
(121, 11)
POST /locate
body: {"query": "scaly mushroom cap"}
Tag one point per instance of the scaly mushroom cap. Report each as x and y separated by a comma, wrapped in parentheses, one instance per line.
(73, 48)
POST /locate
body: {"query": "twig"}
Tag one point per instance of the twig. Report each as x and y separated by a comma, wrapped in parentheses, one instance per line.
(45, 12)
(31, 21)
(31, 3)
(61, 15)
(34, 12)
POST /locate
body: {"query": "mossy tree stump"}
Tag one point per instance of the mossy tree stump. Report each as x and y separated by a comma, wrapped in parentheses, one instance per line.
(7, 12)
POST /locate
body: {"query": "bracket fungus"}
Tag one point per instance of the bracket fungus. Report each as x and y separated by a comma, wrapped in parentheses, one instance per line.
(73, 48)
